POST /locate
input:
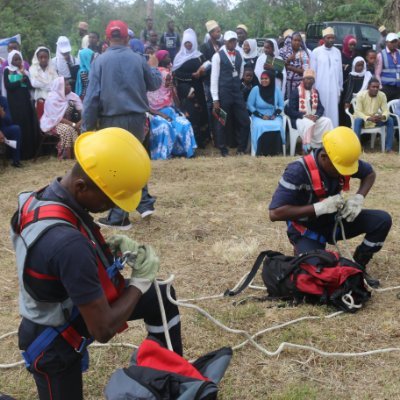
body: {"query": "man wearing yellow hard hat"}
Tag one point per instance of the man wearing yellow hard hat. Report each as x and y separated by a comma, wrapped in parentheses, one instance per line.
(308, 198)
(70, 289)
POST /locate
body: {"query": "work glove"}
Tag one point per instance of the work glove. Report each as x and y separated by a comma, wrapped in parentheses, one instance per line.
(141, 258)
(329, 205)
(353, 207)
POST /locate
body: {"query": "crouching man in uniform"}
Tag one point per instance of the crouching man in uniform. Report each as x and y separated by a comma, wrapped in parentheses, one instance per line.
(308, 199)
(69, 295)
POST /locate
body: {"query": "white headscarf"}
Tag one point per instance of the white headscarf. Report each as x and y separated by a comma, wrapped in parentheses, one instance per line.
(185, 55)
(364, 73)
(56, 105)
(61, 64)
(10, 57)
(43, 79)
(253, 49)
(259, 68)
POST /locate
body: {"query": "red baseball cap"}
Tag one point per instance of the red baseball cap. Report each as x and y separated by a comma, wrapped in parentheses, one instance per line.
(119, 26)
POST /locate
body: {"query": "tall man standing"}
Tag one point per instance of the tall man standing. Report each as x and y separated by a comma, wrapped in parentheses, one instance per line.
(387, 68)
(326, 61)
(116, 97)
(226, 74)
(170, 40)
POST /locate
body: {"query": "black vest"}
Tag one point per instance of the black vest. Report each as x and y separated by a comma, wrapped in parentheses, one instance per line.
(227, 83)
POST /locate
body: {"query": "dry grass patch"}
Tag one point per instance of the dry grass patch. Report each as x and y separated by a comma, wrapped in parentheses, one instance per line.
(211, 222)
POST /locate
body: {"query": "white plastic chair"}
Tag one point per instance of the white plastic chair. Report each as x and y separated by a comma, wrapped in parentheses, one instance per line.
(293, 132)
(381, 130)
(392, 105)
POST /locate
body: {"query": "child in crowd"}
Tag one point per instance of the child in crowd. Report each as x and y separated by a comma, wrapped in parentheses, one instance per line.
(370, 57)
(247, 83)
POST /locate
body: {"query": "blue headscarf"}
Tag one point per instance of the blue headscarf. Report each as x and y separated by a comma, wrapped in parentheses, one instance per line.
(85, 59)
(137, 46)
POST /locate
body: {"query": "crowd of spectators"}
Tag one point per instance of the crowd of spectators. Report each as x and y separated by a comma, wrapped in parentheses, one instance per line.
(226, 91)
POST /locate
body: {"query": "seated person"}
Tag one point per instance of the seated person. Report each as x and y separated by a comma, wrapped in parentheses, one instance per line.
(358, 80)
(372, 110)
(309, 205)
(306, 113)
(265, 103)
(62, 116)
(10, 131)
(171, 133)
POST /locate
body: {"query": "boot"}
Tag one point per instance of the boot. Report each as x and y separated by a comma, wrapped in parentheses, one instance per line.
(362, 258)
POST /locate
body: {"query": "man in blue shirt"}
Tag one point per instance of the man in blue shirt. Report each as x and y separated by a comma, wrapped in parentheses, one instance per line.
(170, 40)
(308, 198)
(117, 97)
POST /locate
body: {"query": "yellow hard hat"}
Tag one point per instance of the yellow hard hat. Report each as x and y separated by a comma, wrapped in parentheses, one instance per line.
(116, 162)
(343, 148)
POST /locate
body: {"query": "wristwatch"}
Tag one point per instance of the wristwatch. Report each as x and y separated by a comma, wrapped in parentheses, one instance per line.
(73, 124)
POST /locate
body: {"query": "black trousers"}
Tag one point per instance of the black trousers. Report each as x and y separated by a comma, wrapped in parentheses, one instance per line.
(234, 105)
(375, 224)
(57, 370)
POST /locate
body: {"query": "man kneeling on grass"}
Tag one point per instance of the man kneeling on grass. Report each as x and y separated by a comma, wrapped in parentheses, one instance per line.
(309, 197)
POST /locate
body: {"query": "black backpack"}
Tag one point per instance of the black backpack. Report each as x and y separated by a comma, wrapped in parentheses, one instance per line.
(317, 277)
(158, 373)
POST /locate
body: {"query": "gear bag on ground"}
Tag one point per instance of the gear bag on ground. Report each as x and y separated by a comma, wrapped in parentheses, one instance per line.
(158, 373)
(317, 277)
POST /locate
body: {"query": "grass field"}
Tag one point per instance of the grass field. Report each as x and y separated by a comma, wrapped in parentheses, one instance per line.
(211, 222)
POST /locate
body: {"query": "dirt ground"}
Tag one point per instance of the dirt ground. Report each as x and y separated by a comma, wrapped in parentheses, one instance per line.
(211, 222)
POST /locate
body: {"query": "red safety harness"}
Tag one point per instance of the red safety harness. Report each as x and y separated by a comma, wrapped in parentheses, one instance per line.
(112, 289)
(316, 181)
(317, 187)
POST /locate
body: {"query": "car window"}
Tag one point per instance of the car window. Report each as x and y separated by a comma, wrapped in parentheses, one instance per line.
(369, 33)
(341, 30)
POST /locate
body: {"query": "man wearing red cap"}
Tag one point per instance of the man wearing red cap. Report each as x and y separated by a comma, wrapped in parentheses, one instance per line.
(117, 97)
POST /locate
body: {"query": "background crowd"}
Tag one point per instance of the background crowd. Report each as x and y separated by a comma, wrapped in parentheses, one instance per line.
(228, 90)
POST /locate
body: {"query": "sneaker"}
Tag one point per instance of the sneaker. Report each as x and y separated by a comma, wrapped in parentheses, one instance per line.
(147, 213)
(374, 283)
(124, 225)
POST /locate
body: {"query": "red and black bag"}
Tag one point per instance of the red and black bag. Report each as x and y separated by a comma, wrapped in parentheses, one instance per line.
(317, 277)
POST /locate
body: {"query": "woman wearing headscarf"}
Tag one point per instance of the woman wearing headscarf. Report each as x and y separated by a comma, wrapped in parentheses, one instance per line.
(82, 80)
(189, 68)
(65, 64)
(357, 81)
(171, 134)
(250, 53)
(348, 54)
(62, 116)
(297, 59)
(267, 61)
(42, 75)
(265, 103)
(18, 86)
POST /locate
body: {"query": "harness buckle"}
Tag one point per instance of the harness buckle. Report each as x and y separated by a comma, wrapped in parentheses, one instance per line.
(84, 344)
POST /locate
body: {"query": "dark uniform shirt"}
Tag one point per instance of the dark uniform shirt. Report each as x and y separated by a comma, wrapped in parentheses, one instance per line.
(65, 253)
(295, 189)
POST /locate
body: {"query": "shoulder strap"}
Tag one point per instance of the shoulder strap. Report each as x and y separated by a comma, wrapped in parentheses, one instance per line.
(316, 181)
(252, 273)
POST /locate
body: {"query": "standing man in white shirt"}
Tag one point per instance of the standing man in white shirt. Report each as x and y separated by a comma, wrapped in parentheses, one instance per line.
(326, 61)
(226, 74)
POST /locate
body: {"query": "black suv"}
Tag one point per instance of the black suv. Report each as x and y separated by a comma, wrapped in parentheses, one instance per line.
(367, 35)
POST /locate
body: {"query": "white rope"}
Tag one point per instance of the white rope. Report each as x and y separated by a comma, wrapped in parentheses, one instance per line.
(163, 316)
(283, 345)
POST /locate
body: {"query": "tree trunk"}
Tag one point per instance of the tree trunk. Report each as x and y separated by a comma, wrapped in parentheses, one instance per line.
(150, 8)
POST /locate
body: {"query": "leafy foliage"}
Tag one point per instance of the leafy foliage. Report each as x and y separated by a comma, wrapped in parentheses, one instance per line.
(42, 21)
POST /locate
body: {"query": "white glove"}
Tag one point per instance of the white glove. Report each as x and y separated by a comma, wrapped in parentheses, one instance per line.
(353, 207)
(329, 205)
